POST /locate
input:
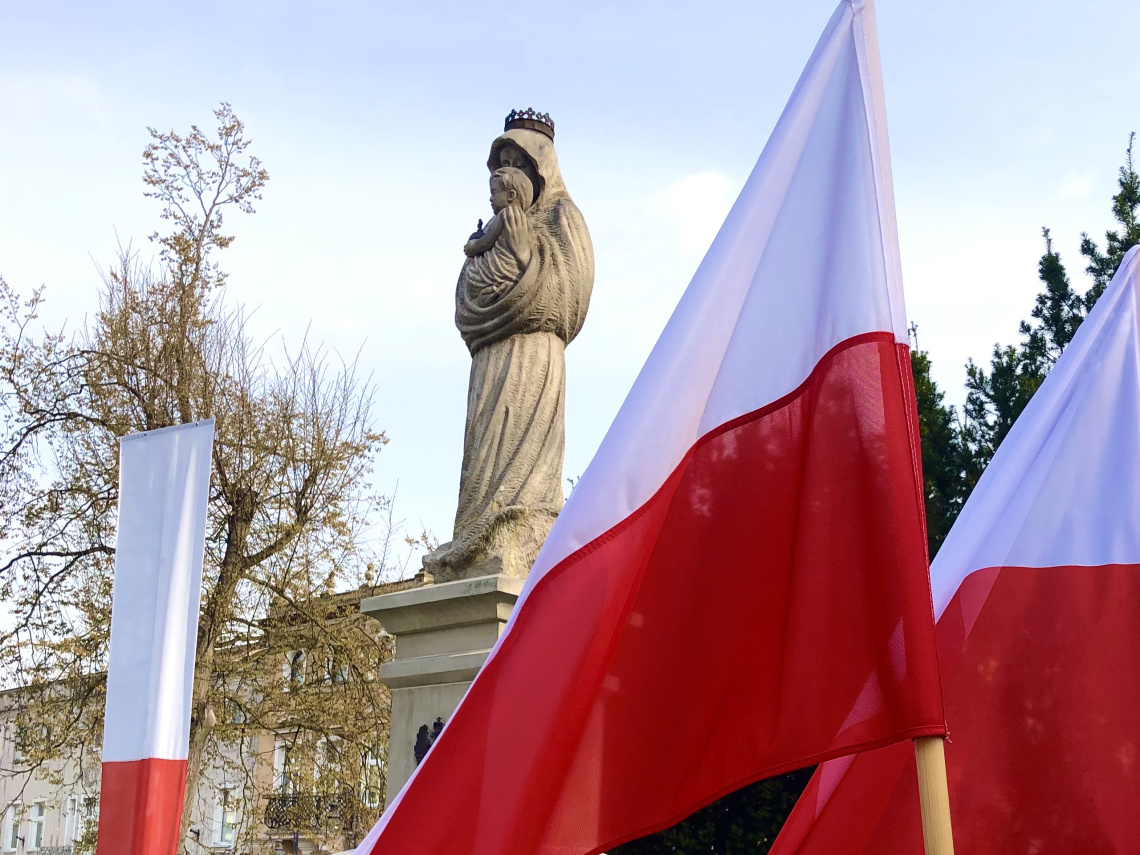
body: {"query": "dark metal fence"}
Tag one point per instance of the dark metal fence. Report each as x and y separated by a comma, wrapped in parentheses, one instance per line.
(302, 811)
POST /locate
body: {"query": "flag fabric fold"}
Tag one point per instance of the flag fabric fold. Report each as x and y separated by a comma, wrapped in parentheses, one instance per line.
(738, 584)
(1037, 589)
(164, 479)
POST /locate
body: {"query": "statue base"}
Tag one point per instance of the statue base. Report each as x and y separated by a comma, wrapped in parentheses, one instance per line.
(470, 567)
(504, 544)
(444, 633)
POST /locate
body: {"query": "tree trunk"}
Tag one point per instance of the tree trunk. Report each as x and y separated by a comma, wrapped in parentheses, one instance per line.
(210, 623)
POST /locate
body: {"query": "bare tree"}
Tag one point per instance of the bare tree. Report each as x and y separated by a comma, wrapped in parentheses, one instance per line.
(290, 505)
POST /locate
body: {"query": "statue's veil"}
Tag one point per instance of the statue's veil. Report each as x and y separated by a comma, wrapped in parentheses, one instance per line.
(539, 149)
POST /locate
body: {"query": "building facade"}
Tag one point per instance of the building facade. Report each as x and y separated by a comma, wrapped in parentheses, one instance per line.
(269, 785)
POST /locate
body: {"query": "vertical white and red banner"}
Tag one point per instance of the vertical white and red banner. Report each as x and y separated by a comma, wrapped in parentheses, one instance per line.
(1037, 588)
(164, 480)
(738, 585)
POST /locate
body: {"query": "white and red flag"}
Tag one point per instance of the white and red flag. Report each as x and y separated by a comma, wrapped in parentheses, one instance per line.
(1037, 588)
(164, 480)
(747, 545)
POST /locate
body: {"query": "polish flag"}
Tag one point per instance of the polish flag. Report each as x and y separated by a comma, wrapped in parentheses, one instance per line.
(746, 546)
(164, 480)
(1037, 588)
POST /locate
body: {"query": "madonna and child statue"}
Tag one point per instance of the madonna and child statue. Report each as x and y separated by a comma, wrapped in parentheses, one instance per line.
(522, 296)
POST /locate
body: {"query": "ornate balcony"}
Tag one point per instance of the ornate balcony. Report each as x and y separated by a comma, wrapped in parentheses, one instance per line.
(304, 811)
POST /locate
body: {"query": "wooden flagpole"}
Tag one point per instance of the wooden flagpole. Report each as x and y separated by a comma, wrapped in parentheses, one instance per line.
(934, 795)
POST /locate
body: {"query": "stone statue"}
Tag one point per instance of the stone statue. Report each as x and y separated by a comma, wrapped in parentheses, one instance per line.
(521, 298)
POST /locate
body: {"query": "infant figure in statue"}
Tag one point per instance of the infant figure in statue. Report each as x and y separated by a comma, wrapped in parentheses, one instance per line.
(494, 257)
(509, 188)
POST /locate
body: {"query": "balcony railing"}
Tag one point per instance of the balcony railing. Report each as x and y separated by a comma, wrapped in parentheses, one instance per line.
(55, 850)
(300, 811)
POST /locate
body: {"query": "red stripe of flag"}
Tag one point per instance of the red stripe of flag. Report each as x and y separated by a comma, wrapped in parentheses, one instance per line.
(676, 657)
(1038, 640)
(140, 806)
(738, 584)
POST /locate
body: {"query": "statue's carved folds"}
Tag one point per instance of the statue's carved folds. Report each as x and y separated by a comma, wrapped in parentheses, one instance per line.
(517, 306)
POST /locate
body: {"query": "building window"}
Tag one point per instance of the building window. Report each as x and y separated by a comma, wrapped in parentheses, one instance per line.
(90, 814)
(226, 818)
(371, 779)
(234, 712)
(283, 762)
(11, 828)
(71, 820)
(320, 760)
(35, 837)
(336, 670)
(294, 669)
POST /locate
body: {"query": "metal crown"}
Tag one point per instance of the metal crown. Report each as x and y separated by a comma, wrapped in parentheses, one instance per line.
(531, 121)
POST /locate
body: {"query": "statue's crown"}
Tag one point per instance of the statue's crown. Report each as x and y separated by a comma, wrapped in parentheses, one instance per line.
(530, 120)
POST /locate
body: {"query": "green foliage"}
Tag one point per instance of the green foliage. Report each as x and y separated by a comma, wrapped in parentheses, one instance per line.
(941, 450)
(746, 821)
(1058, 309)
(995, 398)
(1126, 209)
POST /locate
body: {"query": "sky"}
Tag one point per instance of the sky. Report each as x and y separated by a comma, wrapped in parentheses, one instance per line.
(374, 121)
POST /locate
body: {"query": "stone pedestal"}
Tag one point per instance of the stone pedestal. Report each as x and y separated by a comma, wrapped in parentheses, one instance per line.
(443, 635)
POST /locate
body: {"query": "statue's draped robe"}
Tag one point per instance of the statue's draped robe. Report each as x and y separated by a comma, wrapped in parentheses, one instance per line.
(517, 322)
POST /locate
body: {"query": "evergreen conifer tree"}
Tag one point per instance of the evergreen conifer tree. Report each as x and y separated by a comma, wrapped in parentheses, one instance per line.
(1126, 209)
(941, 449)
(995, 398)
